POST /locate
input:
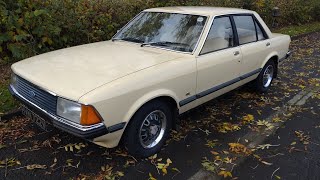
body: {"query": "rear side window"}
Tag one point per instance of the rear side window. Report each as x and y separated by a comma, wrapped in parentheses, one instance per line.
(246, 29)
(259, 32)
(220, 35)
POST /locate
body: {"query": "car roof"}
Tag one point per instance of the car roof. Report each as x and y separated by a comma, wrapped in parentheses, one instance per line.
(203, 10)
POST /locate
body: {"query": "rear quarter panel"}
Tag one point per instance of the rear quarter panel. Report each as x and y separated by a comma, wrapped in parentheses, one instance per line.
(279, 47)
(279, 42)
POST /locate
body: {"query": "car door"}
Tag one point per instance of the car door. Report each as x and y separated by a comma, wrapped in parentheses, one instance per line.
(254, 44)
(218, 61)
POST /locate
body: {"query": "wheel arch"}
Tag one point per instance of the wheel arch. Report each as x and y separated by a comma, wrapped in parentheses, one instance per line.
(275, 58)
(149, 98)
(163, 95)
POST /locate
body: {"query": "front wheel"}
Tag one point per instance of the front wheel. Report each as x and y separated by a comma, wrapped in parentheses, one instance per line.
(265, 78)
(148, 129)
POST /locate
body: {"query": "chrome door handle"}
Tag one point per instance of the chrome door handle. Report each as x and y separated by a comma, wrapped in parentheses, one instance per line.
(268, 44)
(236, 53)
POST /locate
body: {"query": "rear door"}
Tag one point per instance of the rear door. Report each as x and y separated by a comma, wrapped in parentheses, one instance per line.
(219, 60)
(254, 43)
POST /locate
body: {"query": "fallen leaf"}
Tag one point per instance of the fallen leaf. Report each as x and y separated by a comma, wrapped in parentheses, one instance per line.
(266, 163)
(225, 174)
(121, 174)
(293, 143)
(175, 169)
(214, 153)
(36, 166)
(164, 170)
(248, 118)
(151, 177)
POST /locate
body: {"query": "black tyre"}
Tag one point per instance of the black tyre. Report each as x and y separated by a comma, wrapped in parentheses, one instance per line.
(148, 129)
(266, 76)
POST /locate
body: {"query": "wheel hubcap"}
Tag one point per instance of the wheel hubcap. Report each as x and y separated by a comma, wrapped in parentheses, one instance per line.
(152, 129)
(267, 76)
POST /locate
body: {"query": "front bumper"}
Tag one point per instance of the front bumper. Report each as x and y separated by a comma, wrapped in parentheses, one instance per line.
(86, 132)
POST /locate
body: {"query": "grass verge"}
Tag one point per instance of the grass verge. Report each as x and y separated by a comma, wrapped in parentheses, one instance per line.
(7, 103)
(299, 29)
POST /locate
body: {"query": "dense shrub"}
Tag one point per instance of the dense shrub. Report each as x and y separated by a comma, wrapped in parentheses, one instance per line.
(30, 27)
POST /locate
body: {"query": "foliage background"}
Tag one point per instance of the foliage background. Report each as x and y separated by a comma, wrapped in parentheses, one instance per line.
(30, 27)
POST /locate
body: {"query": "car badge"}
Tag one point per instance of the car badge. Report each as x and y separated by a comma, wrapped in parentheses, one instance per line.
(32, 94)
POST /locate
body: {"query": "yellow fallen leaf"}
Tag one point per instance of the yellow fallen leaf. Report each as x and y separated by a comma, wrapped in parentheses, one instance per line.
(175, 169)
(121, 174)
(151, 177)
(77, 146)
(302, 87)
(225, 152)
(214, 153)
(225, 174)
(160, 165)
(164, 170)
(256, 156)
(248, 118)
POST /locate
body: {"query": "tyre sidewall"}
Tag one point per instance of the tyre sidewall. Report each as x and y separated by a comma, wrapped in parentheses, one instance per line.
(259, 82)
(132, 142)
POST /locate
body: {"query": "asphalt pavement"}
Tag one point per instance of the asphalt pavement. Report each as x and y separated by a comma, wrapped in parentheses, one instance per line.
(295, 151)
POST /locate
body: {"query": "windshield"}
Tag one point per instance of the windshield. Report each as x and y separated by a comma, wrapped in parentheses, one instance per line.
(178, 32)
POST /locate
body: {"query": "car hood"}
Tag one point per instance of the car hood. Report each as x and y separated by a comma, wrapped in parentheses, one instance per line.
(73, 72)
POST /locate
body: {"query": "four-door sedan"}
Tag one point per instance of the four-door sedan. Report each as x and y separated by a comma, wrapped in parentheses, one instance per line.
(164, 62)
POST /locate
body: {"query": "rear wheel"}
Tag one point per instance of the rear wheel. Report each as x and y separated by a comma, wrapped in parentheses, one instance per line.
(148, 129)
(266, 76)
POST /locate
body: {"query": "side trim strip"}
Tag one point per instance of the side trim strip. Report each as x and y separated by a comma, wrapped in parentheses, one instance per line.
(116, 127)
(250, 74)
(188, 100)
(216, 88)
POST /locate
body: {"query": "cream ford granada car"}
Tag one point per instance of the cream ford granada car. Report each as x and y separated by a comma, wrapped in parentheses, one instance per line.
(164, 62)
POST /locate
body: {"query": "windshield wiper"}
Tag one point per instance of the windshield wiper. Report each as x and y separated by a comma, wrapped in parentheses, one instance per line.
(164, 43)
(129, 39)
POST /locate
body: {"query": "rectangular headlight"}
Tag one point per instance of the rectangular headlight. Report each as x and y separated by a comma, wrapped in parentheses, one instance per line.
(69, 110)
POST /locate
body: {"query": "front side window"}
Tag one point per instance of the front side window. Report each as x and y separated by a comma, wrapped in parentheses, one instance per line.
(168, 30)
(246, 29)
(220, 36)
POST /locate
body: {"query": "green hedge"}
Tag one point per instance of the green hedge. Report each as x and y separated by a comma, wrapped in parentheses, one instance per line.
(30, 27)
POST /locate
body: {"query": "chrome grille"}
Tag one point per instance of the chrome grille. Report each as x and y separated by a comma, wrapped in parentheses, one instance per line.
(36, 95)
